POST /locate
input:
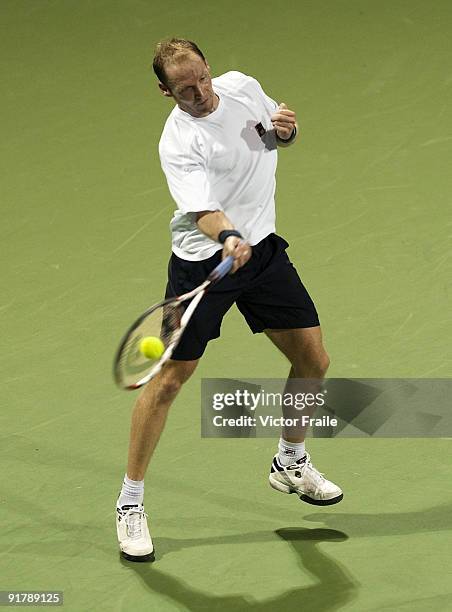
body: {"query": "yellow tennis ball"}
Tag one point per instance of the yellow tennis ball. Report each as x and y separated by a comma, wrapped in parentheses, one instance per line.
(152, 347)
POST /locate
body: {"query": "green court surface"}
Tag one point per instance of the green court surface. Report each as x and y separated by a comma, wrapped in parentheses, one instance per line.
(364, 199)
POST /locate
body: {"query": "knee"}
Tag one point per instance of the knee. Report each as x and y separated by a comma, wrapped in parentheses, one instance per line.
(168, 389)
(312, 364)
(323, 363)
(171, 380)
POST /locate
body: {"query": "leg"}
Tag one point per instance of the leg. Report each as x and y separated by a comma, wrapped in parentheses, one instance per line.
(150, 412)
(304, 349)
(148, 420)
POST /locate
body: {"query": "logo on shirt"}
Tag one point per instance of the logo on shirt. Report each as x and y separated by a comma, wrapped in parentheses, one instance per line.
(260, 129)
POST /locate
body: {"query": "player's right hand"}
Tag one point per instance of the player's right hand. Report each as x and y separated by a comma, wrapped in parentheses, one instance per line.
(240, 250)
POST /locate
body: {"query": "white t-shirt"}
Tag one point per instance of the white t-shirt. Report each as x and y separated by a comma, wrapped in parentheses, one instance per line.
(220, 162)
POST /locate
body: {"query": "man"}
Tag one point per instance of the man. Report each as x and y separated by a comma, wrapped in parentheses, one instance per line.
(218, 151)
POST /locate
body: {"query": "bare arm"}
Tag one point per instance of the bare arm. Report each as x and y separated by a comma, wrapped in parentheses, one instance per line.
(211, 223)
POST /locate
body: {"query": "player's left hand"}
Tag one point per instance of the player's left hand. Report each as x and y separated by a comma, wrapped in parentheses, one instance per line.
(283, 121)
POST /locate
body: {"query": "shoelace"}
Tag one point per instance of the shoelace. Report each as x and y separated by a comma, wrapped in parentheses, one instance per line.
(316, 476)
(133, 517)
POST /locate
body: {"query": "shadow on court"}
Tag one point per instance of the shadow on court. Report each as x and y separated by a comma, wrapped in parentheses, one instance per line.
(333, 589)
(389, 523)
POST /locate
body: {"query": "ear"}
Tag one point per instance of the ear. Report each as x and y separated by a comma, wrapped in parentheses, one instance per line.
(165, 90)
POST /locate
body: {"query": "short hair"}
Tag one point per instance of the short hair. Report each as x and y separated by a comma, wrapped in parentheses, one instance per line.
(170, 51)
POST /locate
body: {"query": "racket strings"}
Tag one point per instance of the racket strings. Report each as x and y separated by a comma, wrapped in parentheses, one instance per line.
(170, 324)
(163, 323)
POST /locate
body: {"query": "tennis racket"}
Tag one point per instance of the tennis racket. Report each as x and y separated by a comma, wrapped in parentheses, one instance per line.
(165, 320)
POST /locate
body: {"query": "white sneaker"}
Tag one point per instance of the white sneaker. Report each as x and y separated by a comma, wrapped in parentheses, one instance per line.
(303, 479)
(134, 538)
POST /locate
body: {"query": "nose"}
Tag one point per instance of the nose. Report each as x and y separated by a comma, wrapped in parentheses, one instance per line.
(198, 93)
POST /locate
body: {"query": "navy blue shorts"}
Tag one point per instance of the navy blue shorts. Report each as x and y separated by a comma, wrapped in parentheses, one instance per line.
(267, 290)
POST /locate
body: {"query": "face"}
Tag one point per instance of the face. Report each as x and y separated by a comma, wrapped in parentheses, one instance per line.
(190, 84)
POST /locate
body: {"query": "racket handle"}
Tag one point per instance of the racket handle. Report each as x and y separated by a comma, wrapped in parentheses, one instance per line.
(221, 270)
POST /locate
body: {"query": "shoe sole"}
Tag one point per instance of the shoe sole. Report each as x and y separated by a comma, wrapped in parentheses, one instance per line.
(320, 502)
(140, 559)
(282, 488)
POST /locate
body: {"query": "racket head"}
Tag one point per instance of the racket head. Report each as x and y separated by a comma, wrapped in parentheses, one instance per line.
(165, 320)
(132, 369)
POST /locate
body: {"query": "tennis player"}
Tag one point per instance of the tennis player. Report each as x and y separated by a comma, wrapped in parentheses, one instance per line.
(218, 151)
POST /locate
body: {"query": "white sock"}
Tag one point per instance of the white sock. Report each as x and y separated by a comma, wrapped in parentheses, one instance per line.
(289, 452)
(132, 492)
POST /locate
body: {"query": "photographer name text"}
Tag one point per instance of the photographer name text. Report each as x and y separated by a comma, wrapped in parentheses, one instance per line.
(270, 421)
